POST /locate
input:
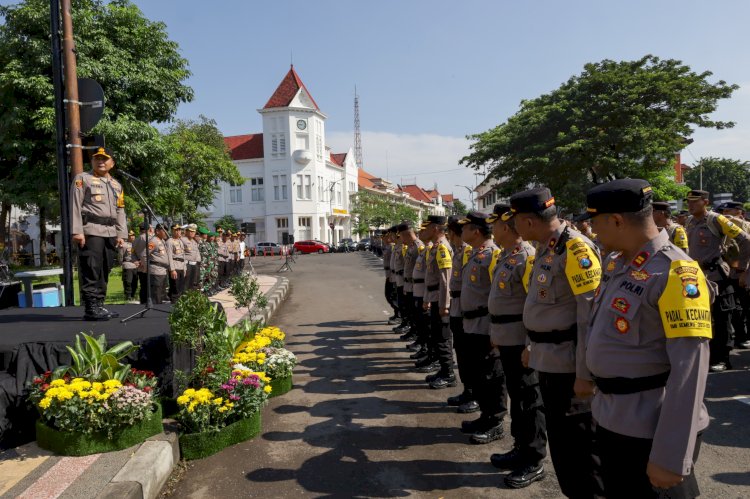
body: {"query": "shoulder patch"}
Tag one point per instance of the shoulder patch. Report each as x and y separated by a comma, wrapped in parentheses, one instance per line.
(729, 228)
(685, 303)
(527, 272)
(582, 267)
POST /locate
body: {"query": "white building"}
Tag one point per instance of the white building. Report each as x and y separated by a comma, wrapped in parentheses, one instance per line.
(293, 184)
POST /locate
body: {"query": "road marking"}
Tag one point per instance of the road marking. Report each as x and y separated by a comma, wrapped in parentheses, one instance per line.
(745, 399)
(385, 312)
(59, 477)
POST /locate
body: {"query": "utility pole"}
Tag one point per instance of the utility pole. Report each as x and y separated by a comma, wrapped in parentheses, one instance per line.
(357, 132)
(71, 91)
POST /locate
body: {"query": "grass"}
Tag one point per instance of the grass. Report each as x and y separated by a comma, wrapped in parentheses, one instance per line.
(115, 291)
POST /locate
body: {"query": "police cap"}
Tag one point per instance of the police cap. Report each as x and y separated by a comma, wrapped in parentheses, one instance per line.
(103, 151)
(403, 227)
(661, 206)
(626, 195)
(735, 205)
(453, 224)
(498, 210)
(697, 194)
(437, 219)
(530, 201)
(475, 218)
(160, 227)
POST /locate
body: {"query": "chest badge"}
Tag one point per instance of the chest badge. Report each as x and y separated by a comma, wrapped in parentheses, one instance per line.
(611, 266)
(548, 259)
(622, 325)
(640, 275)
(584, 262)
(473, 278)
(541, 278)
(640, 258)
(512, 261)
(621, 305)
(542, 294)
(501, 285)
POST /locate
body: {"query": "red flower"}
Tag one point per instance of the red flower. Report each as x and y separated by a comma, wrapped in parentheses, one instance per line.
(38, 381)
(147, 389)
(210, 369)
(45, 386)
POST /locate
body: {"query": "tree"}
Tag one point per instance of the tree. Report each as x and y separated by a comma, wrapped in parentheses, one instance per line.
(199, 159)
(721, 175)
(614, 120)
(459, 208)
(140, 69)
(227, 222)
(373, 210)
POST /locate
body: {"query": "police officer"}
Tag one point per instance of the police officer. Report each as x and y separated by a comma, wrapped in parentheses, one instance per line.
(647, 348)
(424, 356)
(735, 211)
(389, 285)
(192, 257)
(508, 336)
(412, 245)
(161, 267)
(176, 248)
(98, 227)
(397, 266)
(138, 246)
(222, 249)
(563, 280)
(129, 262)
(487, 371)
(465, 401)
(437, 299)
(708, 233)
(663, 220)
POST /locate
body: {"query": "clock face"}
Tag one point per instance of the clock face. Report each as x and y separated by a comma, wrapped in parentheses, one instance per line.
(301, 124)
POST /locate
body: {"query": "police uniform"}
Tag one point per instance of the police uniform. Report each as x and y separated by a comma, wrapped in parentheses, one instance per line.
(410, 257)
(564, 276)
(192, 258)
(204, 247)
(129, 262)
(439, 262)
(647, 349)
(222, 249)
(740, 314)
(399, 251)
(138, 246)
(389, 289)
(486, 375)
(676, 233)
(160, 265)
(508, 334)
(421, 321)
(706, 239)
(176, 249)
(97, 211)
(461, 254)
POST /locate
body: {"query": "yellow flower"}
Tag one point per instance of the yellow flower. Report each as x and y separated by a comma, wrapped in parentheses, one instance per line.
(97, 386)
(112, 383)
(57, 382)
(77, 380)
(223, 409)
(183, 399)
(218, 401)
(189, 392)
(267, 388)
(45, 402)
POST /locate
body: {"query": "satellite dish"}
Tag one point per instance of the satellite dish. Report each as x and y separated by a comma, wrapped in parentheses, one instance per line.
(91, 95)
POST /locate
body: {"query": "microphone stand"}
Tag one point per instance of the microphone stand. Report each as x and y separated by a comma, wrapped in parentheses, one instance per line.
(147, 214)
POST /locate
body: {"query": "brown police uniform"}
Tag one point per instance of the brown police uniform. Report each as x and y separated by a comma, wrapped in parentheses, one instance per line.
(192, 262)
(159, 268)
(176, 249)
(439, 263)
(129, 262)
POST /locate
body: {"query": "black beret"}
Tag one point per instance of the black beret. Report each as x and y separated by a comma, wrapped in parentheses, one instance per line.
(661, 206)
(697, 194)
(475, 218)
(403, 227)
(530, 201)
(735, 205)
(626, 195)
(160, 227)
(497, 211)
(684, 212)
(437, 219)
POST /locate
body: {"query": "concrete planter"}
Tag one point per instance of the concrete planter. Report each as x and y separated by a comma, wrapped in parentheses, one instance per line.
(280, 386)
(200, 445)
(67, 443)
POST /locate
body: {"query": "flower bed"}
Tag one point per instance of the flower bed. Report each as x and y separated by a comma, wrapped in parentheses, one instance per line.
(67, 443)
(204, 444)
(280, 386)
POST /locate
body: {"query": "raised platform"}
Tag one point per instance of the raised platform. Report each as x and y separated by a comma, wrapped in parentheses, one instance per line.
(33, 341)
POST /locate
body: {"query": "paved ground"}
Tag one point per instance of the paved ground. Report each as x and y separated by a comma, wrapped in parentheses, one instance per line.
(360, 424)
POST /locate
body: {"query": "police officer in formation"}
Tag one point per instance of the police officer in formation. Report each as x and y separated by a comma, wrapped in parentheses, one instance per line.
(129, 263)
(192, 257)
(158, 264)
(735, 212)
(176, 249)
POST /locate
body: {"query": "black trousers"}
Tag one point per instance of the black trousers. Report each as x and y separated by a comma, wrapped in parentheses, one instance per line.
(400, 303)
(571, 438)
(722, 341)
(143, 287)
(408, 306)
(441, 339)
(421, 321)
(527, 424)
(176, 286)
(463, 355)
(476, 346)
(191, 276)
(130, 282)
(490, 392)
(223, 273)
(390, 296)
(158, 288)
(624, 461)
(740, 313)
(95, 261)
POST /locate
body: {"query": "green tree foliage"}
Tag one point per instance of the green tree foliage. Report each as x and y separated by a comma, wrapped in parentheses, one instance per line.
(459, 208)
(139, 68)
(199, 158)
(373, 210)
(721, 175)
(227, 222)
(614, 120)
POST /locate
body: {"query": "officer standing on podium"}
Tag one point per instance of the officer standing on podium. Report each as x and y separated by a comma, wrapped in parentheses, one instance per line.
(98, 227)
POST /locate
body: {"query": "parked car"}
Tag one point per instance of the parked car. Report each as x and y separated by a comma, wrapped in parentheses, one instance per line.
(268, 247)
(364, 244)
(346, 245)
(311, 247)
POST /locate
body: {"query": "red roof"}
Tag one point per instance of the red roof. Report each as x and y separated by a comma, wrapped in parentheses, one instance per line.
(286, 91)
(433, 193)
(417, 193)
(365, 179)
(338, 159)
(447, 198)
(245, 146)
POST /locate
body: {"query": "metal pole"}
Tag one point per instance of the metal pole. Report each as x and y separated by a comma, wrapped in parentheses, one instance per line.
(71, 91)
(63, 183)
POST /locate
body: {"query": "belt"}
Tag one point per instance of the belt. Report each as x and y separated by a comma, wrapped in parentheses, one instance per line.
(556, 336)
(192, 262)
(417, 280)
(408, 279)
(624, 386)
(159, 264)
(475, 314)
(455, 294)
(88, 217)
(178, 259)
(506, 319)
(433, 287)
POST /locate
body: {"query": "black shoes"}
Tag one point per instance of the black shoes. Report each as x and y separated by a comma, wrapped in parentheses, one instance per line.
(474, 425)
(468, 407)
(414, 347)
(394, 319)
(445, 381)
(459, 399)
(523, 477)
(408, 336)
(508, 461)
(111, 315)
(485, 436)
(745, 345)
(92, 312)
(419, 354)
(403, 328)
(428, 368)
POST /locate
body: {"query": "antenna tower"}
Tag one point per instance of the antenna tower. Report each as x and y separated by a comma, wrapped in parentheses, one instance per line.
(357, 132)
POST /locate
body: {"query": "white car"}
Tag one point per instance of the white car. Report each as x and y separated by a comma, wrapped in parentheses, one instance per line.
(268, 247)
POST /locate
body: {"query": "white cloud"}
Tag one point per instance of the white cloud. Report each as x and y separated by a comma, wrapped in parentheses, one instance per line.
(402, 158)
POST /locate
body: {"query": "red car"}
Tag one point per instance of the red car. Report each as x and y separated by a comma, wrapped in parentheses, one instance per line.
(311, 247)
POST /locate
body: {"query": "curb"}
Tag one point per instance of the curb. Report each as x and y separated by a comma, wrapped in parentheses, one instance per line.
(275, 296)
(147, 470)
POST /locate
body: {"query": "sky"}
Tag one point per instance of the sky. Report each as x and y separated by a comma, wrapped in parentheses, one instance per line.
(429, 73)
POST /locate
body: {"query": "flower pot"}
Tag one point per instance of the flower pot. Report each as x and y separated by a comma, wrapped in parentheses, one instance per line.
(67, 443)
(204, 444)
(280, 386)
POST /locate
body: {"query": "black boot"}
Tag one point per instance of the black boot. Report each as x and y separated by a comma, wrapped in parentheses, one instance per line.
(111, 315)
(92, 312)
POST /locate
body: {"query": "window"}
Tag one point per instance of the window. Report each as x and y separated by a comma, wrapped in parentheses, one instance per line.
(282, 223)
(319, 147)
(308, 186)
(299, 187)
(304, 187)
(278, 144)
(305, 222)
(235, 193)
(351, 187)
(321, 189)
(279, 187)
(338, 193)
(256, 189)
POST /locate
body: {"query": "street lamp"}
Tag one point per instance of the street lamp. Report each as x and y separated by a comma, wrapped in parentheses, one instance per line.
(330, 205)
(471, 193)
